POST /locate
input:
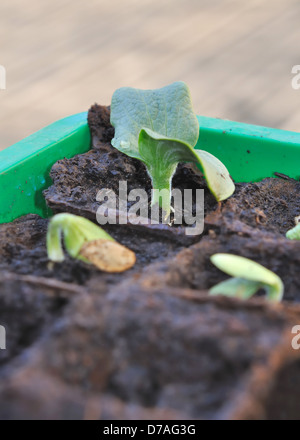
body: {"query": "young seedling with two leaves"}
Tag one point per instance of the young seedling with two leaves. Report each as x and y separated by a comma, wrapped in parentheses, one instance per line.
(86, 241)
(248, 278)
(160, 128)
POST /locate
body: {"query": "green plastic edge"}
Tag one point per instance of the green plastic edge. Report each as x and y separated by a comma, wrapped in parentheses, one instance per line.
(250, 153)
(25, 166)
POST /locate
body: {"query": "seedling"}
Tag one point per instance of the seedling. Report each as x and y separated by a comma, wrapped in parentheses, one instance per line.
(160, 128)
(294, 234)
(86, 241)
(248, 278)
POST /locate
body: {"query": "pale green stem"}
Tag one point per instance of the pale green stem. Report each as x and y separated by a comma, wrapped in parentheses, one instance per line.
(161, 194)
(54, 245)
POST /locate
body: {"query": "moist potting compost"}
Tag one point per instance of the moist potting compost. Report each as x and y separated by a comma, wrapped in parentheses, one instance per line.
(150, 342)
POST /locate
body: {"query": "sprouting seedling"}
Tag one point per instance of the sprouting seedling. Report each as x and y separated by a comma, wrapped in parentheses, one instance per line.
(248, 278)
(160, 128)
(294, 233)
(86, 241)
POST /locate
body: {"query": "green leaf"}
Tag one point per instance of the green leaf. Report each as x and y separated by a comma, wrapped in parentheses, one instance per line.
(162, 155)
(244, 269)
(167, 111)
(294, 234)
(236, 287)
(160, 128)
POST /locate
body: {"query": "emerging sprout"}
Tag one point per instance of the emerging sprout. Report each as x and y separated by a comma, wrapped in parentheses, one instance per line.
(294, 234)
(249, 277)
(160, 128)
(87, 242)
(297, 220)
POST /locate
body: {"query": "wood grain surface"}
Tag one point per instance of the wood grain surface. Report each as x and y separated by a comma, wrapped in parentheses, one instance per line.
(62, 56)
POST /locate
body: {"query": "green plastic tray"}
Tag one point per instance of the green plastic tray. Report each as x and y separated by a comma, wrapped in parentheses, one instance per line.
(250, 153)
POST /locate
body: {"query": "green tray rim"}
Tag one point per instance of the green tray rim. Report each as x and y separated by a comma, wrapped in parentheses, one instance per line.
(250, 152)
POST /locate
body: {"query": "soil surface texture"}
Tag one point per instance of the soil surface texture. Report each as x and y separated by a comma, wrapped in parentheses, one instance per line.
(149, 343)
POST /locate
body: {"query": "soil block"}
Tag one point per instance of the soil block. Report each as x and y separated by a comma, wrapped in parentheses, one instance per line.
(149, 343)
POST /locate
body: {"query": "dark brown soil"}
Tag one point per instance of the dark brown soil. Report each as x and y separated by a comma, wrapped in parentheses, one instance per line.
(28, 306)
(164, 348)
(78, 180)
(151, 352)
(191, 267)
(149, 343)
(270, 205)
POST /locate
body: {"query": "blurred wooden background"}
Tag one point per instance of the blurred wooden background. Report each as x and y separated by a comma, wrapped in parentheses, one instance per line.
(62, 56)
